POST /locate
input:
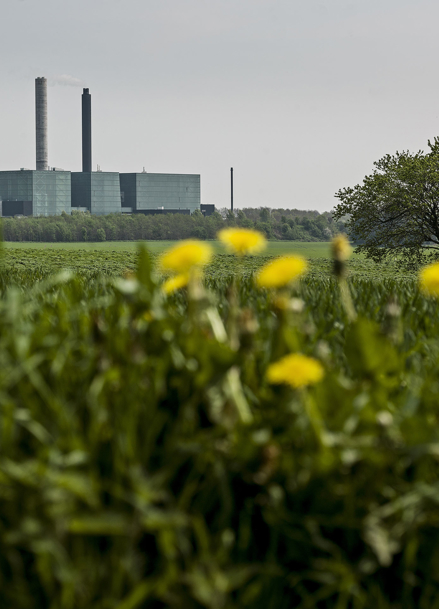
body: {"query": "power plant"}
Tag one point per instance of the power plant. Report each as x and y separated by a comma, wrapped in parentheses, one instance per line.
(48, 191)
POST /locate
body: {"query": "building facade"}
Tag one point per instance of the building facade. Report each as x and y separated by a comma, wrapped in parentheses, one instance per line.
(35, 193)
(160, 191)
(97, 191)
(49, 193)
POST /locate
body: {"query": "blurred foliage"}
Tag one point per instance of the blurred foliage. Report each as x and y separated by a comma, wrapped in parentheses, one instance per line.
(146, 463)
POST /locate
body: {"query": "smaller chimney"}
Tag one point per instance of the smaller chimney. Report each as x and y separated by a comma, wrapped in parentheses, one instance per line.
(86, 131)
(231, 188)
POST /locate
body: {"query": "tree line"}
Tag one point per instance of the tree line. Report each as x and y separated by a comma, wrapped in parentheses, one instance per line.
(281, 224)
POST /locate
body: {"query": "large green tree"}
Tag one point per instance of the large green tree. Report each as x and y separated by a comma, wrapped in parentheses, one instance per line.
(395, 212)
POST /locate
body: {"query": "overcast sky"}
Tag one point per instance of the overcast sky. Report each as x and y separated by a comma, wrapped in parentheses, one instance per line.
(299, 96)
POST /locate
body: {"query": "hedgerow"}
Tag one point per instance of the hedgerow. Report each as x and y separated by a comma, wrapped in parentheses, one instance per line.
(290, 225)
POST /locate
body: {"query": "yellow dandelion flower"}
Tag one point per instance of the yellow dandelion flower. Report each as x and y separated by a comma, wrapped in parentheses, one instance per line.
(175, 283)
(242, 241)
(296, 370)
(281, 272)
(341, 249)
(186, 256)
(429, 279)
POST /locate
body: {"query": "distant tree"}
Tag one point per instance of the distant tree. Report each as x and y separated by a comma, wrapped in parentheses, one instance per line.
(328, 217)
(314, 229)
(396, 209)
(63, 232)
(340, 226)
(100, 235)
(216, 216)
(49, 233)
(197, 215)
(111, 232)
(266, 228)
(246, 223)
(213, 224)
(296, 234)
(230, 217)
(264, 214)
(199, 232)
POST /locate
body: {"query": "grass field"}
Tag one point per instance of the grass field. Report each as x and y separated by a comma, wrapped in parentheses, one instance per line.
(275, 248)
(26, 264)
(221, 446)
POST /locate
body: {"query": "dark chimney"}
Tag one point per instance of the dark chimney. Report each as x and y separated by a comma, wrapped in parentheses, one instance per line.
(231, 188)
(86, 131)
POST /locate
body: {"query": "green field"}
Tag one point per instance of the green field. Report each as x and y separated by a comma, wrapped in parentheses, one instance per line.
(25, 264)
(274, 248)
(148, 460)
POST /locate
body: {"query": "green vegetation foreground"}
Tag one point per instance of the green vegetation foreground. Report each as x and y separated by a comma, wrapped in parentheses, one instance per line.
(152, 456)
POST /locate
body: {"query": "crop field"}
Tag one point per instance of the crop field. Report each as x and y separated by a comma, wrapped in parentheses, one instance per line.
(274, 248)
(227, 445)
(25, 264)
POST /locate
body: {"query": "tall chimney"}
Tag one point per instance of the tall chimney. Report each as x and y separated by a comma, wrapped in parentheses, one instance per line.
(41, 123)
(86, 131)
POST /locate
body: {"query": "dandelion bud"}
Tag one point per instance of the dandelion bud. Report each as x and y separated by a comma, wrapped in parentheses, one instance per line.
(429, 279)
(296, 370)
(242, 241)
(175, 283)
(185, 257)
(281, 272)
(341, 250)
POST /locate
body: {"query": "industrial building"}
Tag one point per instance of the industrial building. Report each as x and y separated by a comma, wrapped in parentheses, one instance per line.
(35, 193)
(50, 191)
(142, 192)
(97, 192)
